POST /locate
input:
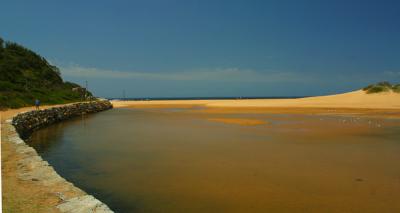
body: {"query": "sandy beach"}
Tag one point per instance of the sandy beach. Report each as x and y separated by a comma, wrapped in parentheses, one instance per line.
(386, 104)
(352, 100)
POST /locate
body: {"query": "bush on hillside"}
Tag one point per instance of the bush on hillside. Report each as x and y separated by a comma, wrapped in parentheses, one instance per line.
(26, 76)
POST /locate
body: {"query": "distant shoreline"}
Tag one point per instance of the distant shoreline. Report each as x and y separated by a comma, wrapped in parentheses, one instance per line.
(351, 100)
(386, 104)
(205, 98)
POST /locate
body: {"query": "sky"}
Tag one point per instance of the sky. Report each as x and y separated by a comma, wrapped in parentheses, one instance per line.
(212, 48)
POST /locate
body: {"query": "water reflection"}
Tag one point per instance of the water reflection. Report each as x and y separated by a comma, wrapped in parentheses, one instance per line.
(50, 137)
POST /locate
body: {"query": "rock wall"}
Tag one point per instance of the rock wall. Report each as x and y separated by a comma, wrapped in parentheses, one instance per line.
(32, 168)
(26, 123)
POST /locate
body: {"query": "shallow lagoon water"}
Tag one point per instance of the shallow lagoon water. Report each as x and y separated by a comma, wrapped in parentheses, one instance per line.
(162, 160)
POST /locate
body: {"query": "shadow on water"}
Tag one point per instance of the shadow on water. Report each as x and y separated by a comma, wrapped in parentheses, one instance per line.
(55, 144)
(53, 136)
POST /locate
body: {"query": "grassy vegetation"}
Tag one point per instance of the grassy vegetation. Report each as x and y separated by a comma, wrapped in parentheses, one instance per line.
(26, 76)
(382, 87)
(396, 88)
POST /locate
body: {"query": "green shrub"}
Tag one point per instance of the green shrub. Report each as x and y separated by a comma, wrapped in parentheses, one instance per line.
(26, 76)
(384, 84)
(381, 87)
(396, 88)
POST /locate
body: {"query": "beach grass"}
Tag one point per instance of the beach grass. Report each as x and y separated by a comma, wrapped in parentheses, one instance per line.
(382, 87)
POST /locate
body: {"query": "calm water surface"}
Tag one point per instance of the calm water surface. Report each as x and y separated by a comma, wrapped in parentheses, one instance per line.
(163, 160)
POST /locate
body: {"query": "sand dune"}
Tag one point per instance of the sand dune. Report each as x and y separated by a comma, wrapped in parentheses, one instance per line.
(356, 99)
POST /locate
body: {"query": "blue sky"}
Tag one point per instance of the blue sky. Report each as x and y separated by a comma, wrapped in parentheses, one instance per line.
(212, 48)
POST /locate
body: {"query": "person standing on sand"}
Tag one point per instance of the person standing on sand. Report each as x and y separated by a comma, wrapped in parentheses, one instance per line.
(37, 104)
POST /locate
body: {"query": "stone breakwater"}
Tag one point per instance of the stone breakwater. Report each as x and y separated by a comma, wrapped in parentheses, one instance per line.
(26, 123)
(31, 167)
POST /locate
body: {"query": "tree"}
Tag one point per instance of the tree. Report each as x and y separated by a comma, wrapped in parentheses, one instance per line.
(25, 76)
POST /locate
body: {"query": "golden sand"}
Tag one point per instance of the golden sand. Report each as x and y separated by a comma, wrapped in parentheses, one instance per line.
(386, 104)
(351, 100)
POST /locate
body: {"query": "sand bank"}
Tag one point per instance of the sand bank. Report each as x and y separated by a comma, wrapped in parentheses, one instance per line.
(386, 104)
(353, 100)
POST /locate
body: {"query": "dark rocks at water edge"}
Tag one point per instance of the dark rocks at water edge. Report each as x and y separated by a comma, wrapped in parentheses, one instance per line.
(27, 122)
